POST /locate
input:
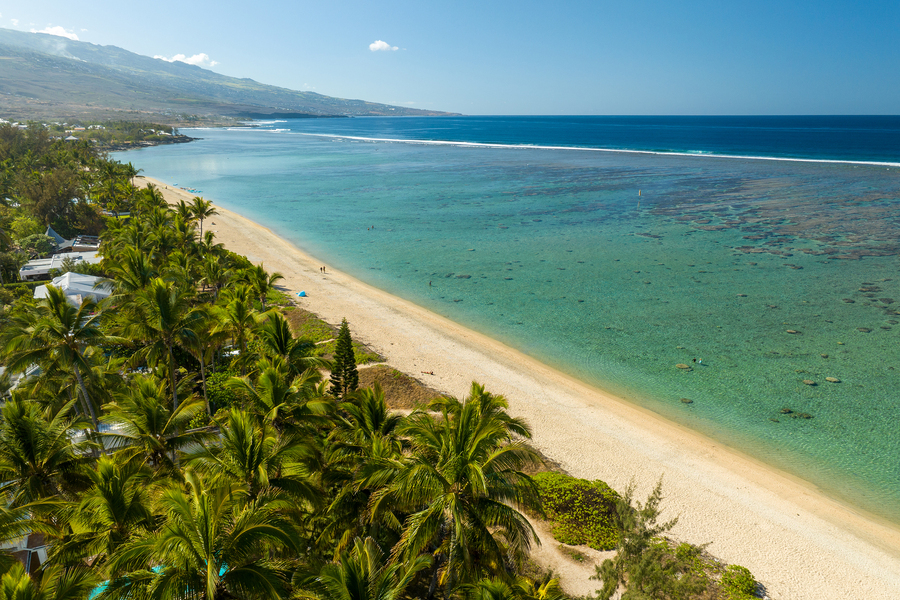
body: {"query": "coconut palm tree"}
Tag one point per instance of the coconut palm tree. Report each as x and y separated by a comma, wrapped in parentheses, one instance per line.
(362, 574)
(53, 333)
(278, 341)
(130, 271)
(238, 318)
(215, 545)
(208, 244)
(214, 274)
(143, 425)
(115, 509)
(202, 209)
(288, 403)
(361, 455)
(207, 340)
(162, 317)
(184, 210)
(38, 458)
(260, 281)
(462, 481)
(517, 588)
(253, 453)
(54, 583)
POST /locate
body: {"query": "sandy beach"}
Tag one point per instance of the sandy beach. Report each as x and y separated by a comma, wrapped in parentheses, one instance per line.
(797, 542)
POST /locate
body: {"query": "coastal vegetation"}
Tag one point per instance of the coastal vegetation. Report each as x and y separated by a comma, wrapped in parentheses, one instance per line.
(183, 438)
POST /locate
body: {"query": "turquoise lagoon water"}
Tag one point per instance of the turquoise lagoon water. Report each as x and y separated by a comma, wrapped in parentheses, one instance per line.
(614, 267)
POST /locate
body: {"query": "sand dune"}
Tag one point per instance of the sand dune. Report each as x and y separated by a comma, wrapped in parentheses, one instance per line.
(799, 543)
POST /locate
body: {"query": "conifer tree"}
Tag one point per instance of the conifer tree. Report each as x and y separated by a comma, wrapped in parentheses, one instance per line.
(344, 377)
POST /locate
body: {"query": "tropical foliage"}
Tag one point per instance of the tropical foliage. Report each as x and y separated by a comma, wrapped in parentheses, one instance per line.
(179, 440)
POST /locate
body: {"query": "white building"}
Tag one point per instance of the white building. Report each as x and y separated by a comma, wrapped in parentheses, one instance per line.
(78, 287)
(38, 269)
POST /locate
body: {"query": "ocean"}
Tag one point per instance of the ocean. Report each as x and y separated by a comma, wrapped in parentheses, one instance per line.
(759, 252)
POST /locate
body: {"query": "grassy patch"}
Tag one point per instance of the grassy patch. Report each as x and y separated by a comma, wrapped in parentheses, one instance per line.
(308, 326)
(573, 553)
(400, 390)
(362, 354)
(581, 511)
(278, 298)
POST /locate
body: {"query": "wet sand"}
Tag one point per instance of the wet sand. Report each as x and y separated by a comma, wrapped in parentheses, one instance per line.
(799, 543)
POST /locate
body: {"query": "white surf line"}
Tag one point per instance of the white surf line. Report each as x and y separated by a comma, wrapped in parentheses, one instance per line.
(698, 154)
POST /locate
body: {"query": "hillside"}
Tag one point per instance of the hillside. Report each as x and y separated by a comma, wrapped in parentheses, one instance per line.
(50, 77)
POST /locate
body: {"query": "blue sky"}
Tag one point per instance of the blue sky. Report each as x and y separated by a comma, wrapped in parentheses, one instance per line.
(522, 57)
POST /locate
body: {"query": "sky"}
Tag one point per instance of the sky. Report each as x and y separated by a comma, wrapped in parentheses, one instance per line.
(600, 57)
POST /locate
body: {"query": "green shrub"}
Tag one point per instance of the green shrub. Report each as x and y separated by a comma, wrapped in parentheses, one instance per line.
(38, 244)
(201, 419)
(220, 395)
(738, 583)
(582, 511)
(361, 355)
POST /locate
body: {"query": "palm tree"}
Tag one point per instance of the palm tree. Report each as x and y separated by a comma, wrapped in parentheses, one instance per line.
(368, 418)
(238, 318)
(184, 234)
(142, 424)
(208, 244)
(518, 588)
(285, 402)
(361, 574)
(184, 210)
(202, 209)
(162, 318)
(55, 333)
(461, 481)
(131, 271)
(149, 199)
(214, 545)
(260, 281)
(54, 583)
(207, 340)
(38, 458)
(361, 455)
(115, 509)
(214, 274)
(278, 341)
(254, 454)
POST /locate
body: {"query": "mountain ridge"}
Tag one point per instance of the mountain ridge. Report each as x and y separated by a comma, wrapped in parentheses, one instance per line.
(46, 76)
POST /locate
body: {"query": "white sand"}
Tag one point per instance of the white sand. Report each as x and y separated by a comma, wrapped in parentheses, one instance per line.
(797, 542)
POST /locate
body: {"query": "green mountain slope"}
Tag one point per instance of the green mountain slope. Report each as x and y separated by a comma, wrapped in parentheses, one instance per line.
(44, 76)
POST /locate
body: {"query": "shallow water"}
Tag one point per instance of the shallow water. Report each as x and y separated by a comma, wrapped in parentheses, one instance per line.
(616, 268)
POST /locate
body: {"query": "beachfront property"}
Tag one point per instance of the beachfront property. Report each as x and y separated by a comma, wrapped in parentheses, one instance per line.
(80, 248)
(40, 268)
(78, 287)
(80, 243)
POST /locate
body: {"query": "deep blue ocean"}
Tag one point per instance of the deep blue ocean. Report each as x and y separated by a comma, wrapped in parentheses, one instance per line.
(615, 248)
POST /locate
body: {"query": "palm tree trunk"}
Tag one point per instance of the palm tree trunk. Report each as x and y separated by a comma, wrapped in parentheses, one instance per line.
(172, 377)
(203, 381)
(87, 399)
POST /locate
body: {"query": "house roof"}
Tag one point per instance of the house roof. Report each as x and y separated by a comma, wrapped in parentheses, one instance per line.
(77, 287)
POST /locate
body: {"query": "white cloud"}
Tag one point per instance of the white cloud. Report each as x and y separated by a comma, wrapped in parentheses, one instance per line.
(55, 30)
(379, 45)
(201, 60)
(15, 22)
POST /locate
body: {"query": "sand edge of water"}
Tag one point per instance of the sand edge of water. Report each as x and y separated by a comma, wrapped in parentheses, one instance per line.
(798, 542)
